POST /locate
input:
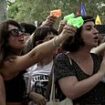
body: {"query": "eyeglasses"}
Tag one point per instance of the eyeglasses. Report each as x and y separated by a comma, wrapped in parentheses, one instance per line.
(16, 32)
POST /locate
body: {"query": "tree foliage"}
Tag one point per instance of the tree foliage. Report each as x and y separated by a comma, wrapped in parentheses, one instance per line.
(3, 12)
(31, 10)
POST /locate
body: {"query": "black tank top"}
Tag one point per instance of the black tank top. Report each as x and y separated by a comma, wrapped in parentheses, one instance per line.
(15, 89)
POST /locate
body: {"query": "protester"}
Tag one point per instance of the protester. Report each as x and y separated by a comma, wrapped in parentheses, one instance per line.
(13, 64)
(78, 73)
(37, 76)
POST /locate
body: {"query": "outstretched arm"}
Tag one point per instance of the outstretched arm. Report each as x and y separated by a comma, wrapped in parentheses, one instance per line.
(38, 53)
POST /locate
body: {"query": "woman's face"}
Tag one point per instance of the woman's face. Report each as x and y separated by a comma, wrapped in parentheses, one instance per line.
(90, 34)
(16, 37)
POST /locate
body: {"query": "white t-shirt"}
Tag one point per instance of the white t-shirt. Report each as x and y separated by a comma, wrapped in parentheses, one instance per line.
(37, 69)
(33, 71)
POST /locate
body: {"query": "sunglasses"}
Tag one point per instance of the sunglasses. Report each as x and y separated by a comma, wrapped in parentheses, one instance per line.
(15, 32)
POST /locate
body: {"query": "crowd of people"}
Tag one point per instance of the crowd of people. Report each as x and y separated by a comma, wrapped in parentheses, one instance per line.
(29, 56)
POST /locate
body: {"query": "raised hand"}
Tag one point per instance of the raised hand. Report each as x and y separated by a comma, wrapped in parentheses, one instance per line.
(50, 20)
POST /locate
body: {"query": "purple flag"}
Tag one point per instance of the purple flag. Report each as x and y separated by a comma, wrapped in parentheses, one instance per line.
(83, 9)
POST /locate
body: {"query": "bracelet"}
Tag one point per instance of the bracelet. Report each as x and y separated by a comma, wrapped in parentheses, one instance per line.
(55, 44)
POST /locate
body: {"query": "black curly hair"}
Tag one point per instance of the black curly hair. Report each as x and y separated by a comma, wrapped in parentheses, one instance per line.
(75, 43)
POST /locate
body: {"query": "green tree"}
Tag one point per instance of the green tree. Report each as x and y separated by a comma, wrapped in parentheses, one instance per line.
(3, 10)
(31, 10)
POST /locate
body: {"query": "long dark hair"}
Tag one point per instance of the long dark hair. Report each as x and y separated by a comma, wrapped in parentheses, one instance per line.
(4, 35)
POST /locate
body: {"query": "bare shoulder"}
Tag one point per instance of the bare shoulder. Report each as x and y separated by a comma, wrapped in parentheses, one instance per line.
(15, 64)
(11, 66)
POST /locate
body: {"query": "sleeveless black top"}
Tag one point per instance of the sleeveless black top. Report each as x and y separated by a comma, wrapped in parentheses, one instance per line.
(63, 68)
(15, 89)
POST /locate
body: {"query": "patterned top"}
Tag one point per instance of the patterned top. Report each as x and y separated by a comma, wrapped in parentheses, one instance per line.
(63, 68)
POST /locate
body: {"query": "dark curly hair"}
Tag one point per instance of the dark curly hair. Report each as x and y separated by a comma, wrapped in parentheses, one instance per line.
(38, 36)
(28, 28)
(75, 43)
